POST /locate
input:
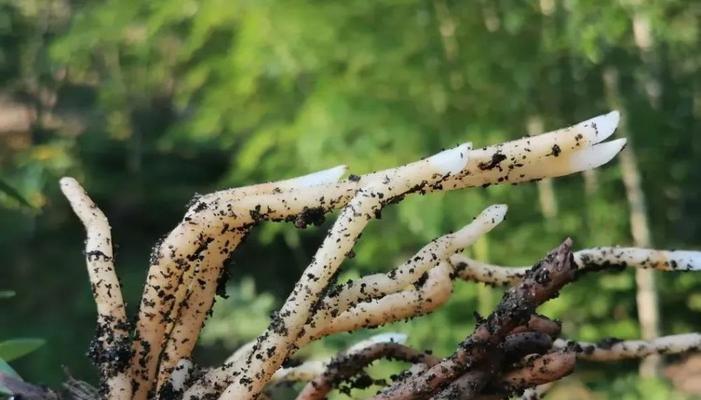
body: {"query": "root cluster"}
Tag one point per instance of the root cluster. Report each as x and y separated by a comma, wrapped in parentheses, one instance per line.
(510, 351)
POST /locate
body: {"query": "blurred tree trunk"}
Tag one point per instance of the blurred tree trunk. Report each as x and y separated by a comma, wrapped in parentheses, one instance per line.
(535, 124)
(546, 192)
(646, 298)
(485, 295)
(447, 25)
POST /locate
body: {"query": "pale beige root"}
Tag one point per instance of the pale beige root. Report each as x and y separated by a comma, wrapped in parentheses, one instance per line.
(285, 205)
(106, 289)
(277, 342)
(168, 263)
(476, 271)
(614, 350)
(378, 285)
(594, 258)
(172, 270)
(663, 260)
(200, 289)
(392, 307)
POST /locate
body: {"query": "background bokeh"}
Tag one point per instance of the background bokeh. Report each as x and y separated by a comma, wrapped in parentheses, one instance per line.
(149, 102)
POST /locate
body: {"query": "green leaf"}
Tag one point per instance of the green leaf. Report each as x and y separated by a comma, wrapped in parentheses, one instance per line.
(6, 294)
(15, 348)
(7, 370)
(13, 193)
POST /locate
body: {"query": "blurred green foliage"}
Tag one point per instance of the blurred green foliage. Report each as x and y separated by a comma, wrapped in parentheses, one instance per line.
(6, 369)
(148, 103)
(13, 349)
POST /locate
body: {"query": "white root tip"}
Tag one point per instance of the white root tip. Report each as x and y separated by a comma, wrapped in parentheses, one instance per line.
(601, 127)
(489, 218)
(495, 213)
(66, 180)
(68, 183)
(451, 161)
(331, 175)
(596, 155)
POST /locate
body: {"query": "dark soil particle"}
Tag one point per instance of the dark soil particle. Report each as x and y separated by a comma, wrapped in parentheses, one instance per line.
(168, 393)
(193, 201)
(310, 216)
(201, 206)
(255, 214)
(224, 276)
(516, 308)
(203, 243)
(421, 281)
(556, 150)
(96, 255)
(497, 158)
(109, 353)
(277, 324)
